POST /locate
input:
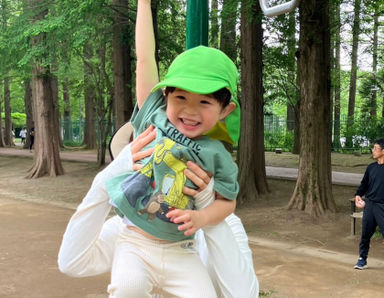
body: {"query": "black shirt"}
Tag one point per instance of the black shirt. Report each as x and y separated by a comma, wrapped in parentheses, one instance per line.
(372, 185)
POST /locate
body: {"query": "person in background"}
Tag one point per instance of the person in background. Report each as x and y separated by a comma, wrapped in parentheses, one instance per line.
(372, 187)
(32, 138)
(23, 135)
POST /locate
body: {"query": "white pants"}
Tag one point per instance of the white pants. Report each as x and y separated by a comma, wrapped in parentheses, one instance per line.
(143, 267)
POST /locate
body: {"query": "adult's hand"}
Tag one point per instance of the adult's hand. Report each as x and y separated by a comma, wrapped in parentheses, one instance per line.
(359, 202)
(139, 143)
(198, 176)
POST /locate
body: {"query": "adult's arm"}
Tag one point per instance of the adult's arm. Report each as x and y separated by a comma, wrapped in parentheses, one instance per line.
(362, 189)
(89, 241)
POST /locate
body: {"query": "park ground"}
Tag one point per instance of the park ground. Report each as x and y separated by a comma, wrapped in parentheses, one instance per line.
(294, 255)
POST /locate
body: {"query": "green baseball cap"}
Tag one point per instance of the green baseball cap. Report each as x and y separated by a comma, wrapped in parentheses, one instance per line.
(204, 70)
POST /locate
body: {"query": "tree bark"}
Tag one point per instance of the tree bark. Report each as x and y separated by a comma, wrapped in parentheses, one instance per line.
(122, 35)
(28, 111)
(54, 83)
(353, 76)
(373, 105)
(1, 127)
(67, 113)
(313, 190)
(292, 90)
(250, 157)
(228, 28)
(336, 78)
(46, 157)
(90, 100)
(7, 133)
(214, 22)
(8, 139)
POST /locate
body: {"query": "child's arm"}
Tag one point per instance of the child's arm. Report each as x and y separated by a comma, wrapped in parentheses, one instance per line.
(194, 220)
(146, 69)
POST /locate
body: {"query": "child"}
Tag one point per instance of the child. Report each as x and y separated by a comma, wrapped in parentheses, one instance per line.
(143, 264)
(197, 97)
(181, 124)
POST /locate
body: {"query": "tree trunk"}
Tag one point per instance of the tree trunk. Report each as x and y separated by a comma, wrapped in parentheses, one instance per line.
(313, 190)
(89, 99)
(67, 113)
(28, 111)
(55, 96)
(292, 90)
(1, 127)
(336, 78)
(154, 8)
(104, 99)
(47, 152)
(47, 148)
(250, 157)
(8, 139)
(122, 35)
(228, 28)
(214, 22)
(353, 77)
(373, 105)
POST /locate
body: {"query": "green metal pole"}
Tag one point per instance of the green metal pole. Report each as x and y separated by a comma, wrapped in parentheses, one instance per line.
(197, 23)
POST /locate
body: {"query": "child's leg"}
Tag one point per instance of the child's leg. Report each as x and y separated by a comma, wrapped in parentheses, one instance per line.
(184, 274)
(131, 276)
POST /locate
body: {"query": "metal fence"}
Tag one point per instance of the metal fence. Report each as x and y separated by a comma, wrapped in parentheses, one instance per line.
(278, 133)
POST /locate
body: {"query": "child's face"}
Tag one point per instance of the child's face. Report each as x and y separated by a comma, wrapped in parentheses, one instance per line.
(195, 114)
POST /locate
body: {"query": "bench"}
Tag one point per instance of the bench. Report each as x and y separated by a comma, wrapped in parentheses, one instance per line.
(354, 215)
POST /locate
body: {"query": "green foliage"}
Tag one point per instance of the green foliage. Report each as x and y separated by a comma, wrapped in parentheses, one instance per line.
(71, 143)
(18, 119)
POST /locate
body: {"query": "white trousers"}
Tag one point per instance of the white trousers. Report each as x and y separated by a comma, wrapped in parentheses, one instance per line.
(143, 267)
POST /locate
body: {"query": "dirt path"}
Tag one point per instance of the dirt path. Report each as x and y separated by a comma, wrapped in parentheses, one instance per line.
(31, 235)
(30, 238)
(293, 255)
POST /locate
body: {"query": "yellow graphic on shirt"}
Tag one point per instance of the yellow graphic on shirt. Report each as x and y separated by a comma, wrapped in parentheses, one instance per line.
(173, 181)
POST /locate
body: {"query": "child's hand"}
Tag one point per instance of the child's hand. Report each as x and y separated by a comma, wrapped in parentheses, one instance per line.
(191, 220)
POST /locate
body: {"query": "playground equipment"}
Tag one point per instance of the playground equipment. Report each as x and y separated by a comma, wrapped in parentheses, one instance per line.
(277, 9)
(197, 23)
(197, 18)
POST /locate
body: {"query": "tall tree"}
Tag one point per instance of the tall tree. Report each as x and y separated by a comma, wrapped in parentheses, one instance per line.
(1, 126)
(250, 156)
(46, 159)
(8, 140)
(122, 37)
(373, 104)
(214, 22)
(89, 99)
(313, 190)
(336, 81)
(293, 123)
(28, 110)
(353, 76)
(228, 28)
(67, 112)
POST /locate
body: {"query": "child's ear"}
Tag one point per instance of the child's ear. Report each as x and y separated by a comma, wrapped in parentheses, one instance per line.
(227, 110)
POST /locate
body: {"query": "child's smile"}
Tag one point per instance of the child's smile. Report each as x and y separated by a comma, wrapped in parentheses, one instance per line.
(193, 114)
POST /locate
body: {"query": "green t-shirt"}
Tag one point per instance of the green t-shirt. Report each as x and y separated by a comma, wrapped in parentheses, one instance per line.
(146, 196)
